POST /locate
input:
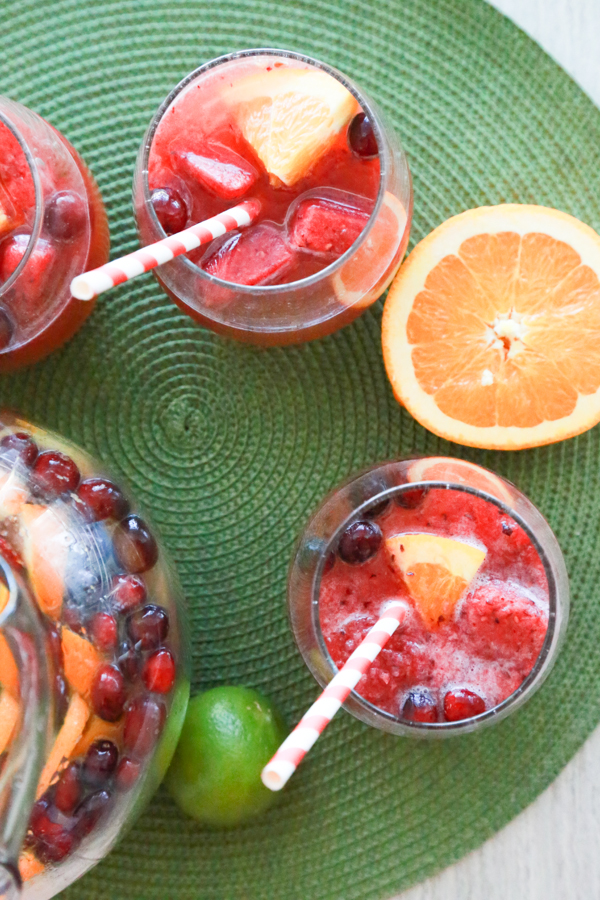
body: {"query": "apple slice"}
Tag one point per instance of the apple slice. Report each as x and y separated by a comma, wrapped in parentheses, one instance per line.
(436, 570)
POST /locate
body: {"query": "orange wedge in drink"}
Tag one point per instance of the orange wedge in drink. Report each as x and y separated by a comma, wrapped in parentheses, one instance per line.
(290, 116)
(436, 570)
(491, 328)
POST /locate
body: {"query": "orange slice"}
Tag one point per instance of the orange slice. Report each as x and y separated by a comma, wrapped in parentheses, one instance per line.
(12, 494)
(10, 713)
(459, 471)
(81, 660)
(491, 328)
(29, 865)
(369, 271)
(9, 673)
(436, 570)
(98, 729)
(66, 740)
(290, 116)
(46, 548)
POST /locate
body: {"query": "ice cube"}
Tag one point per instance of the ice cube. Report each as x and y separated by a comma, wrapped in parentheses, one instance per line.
(257, 255)
(219, 169)
(327, 224)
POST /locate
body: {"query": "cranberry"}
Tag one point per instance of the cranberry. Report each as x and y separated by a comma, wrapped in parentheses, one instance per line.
(159, 672)
(360, 542)
(67, 793)
(108, 693)
(19, 445)
(361, 137)
(12, 251)
(100, 762)
(89, 812)
(134, 545)
(54, 473)
(7, 328)
(148, 627)
(65, 215)
(462, 704)
(128, 772)
(329, 563)
(412, 498)
(104, 631)
(144, 720)
(55, 645)
(103, 499)
(73, 617)
(170, 208)
(420, 706)
(507, 528)
(128, 661)
(51, 840)
(128, 591)
(61, 696)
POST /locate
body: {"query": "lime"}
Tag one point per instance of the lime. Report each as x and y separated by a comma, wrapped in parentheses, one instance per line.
(229, 734)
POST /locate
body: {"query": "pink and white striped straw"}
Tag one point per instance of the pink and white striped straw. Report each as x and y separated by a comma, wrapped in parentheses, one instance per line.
(286, 760)
(90, 284)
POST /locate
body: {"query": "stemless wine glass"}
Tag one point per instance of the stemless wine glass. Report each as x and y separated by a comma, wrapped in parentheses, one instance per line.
(403, 482)
(310, 307)
(52, 227)
(94, 662)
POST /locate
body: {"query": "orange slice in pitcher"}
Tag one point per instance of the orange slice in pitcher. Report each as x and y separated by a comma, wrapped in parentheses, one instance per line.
(369, 271)
(491, 328)
(436, 570)
(459, 471)
(290, 116)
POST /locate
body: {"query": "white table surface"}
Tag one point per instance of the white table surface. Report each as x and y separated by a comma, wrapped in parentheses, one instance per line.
(552, 850)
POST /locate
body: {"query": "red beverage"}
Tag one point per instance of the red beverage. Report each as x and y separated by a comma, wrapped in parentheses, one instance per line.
(481, 593)
(333, 185)
(52, 227)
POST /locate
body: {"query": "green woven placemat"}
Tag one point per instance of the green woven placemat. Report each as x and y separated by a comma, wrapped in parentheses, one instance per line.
(231, 447)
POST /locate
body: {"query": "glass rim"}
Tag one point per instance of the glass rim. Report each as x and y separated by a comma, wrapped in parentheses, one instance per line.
(384, 162)
(37, 186)
(375, 712)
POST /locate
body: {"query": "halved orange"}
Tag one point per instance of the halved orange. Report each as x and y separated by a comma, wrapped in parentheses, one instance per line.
(491, 329)
(290, 116)
(369, 271)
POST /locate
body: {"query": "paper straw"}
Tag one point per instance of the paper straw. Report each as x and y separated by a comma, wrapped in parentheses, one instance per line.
(295, 747)
(90, 284)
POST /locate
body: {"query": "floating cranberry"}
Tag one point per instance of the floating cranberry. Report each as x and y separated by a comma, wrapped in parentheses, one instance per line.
(51, 840)
(108, 693)
(148, 627)
(100, 762)
(412, 498)
(158, 673)
(7, 328)
(19, 445)
(65, 215)
(361, 137)
(54, 474)
(134, 545)
(144, 720)
(128, 772)
(420, 706)
(68, 790)
(170, 208)
(103, 499)
(12, 251)
(128, 661)
(462, 704)
(104, 631)
(128, 591)
(89, 812)
(360, 542)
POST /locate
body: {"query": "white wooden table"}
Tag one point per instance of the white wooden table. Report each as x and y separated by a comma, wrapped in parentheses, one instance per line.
(552, 850)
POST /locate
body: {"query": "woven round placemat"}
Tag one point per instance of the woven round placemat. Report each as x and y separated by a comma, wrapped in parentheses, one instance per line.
(231, 447)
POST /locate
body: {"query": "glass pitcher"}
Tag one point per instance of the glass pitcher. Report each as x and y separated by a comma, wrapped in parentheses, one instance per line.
(93, 662)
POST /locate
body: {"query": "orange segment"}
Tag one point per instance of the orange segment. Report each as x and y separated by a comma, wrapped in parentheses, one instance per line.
(81, 660)
(29, 866)
(9, 673)
(359, 282)
(290, 117)
(436, 570)
(45, 551)
(98, 729)
(10, 713)
(491, 328)
(4, 596)
(12, 494)
(66, 740)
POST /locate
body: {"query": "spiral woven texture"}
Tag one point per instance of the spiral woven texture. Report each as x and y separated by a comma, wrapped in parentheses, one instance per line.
(231, 447)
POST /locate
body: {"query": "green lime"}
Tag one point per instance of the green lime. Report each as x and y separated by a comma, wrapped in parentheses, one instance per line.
(229, 734)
